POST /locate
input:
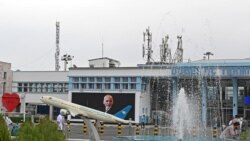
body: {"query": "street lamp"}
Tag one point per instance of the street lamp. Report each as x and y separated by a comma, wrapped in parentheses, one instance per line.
(23, 96)
(66, 58)
(208, 54)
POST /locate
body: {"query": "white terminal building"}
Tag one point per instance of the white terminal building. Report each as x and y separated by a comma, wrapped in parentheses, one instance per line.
(149, 88)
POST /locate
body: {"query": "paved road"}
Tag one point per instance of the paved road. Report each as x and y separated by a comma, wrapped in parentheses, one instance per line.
(110, 131)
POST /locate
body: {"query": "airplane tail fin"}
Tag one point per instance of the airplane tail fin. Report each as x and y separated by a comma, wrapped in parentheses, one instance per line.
(124, 112)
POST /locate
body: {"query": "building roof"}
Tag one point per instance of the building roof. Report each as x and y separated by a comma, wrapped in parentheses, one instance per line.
(110, 59)
(216, 63)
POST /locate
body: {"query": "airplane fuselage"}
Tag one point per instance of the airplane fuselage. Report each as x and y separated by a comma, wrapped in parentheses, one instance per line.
(79, 110)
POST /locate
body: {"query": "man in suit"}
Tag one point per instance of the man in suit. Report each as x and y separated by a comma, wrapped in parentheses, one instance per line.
(108, 102)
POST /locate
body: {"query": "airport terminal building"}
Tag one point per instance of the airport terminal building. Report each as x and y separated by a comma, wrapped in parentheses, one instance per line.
(223, 87)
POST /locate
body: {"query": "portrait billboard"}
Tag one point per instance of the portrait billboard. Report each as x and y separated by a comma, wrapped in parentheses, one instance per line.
(98, 101)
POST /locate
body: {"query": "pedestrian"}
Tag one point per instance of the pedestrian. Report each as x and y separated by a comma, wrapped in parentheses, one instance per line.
(143, 121)
(231, 132)
(60, 120)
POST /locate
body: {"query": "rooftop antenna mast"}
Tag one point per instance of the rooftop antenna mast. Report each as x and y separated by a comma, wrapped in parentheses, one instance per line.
(165, 51)
(102, 50)
(178, 56)
(147, 43)
(57, 54)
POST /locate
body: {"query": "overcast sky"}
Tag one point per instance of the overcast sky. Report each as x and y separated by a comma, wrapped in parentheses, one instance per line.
(28, 31)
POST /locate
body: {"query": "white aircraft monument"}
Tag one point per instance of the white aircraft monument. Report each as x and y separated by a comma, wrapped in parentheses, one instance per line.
(87, 113)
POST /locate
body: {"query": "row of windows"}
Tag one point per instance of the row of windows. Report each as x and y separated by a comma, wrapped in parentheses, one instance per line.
(104, 79)
(43, 87)
(106, 86)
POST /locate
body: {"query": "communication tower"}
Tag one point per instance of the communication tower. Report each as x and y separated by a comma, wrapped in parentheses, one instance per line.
(178, 56)
(165, 51)
(147, 45)
(57, 54)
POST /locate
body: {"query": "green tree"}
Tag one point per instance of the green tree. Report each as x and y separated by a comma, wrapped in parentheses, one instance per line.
(4, 132)
(29, 132)
(50, 130)
(46, 130)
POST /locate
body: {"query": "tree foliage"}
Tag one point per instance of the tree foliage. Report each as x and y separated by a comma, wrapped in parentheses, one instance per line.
(45, 131)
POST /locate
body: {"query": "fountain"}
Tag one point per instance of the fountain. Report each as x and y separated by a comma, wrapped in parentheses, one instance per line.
(186, 123)
(183, 116)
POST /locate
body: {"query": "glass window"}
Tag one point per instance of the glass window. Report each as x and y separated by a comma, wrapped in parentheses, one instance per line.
(25, 87)
(133, 79)
(49, 87)
(125, 79)
(91, 79)
(75, 79)
(117, 79)
(30, 87)
(117, 86)
(25, 84)
(60, 87)
(107, 86)
(55, 87)
(34, 87)
(4, 75)
(132, 86)
(44, 88)
(66, 87)
(19, 89)
(124, 86)
(20, 84)
(84, 79)
(83, 86)
(229, 93)
(107, 79)
(39, 88)
(99, 79)
(98, 86)
(76, 86)
(91, 85)
(240, 93)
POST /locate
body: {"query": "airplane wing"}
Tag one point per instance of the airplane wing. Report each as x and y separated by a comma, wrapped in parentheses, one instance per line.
(73, 113)
(124, 112)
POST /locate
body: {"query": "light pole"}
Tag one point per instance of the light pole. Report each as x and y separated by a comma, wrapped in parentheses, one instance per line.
(208, 54)
(23, 96)
(66, 58)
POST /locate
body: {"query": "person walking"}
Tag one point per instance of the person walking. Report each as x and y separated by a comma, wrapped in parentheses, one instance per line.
(143, 118)
(60, 120)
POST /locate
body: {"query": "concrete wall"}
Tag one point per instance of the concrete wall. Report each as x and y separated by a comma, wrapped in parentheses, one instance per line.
(5, 83)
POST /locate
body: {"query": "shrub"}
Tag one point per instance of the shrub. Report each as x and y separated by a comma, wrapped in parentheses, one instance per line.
(45, 131)
(4, 132)
(29, 132)
(50, 130)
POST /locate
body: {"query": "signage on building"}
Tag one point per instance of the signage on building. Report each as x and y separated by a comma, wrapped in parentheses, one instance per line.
(247, 100)
(192, 71)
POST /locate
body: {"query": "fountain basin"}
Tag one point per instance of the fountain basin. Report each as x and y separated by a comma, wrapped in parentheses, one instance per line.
(165, 138)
